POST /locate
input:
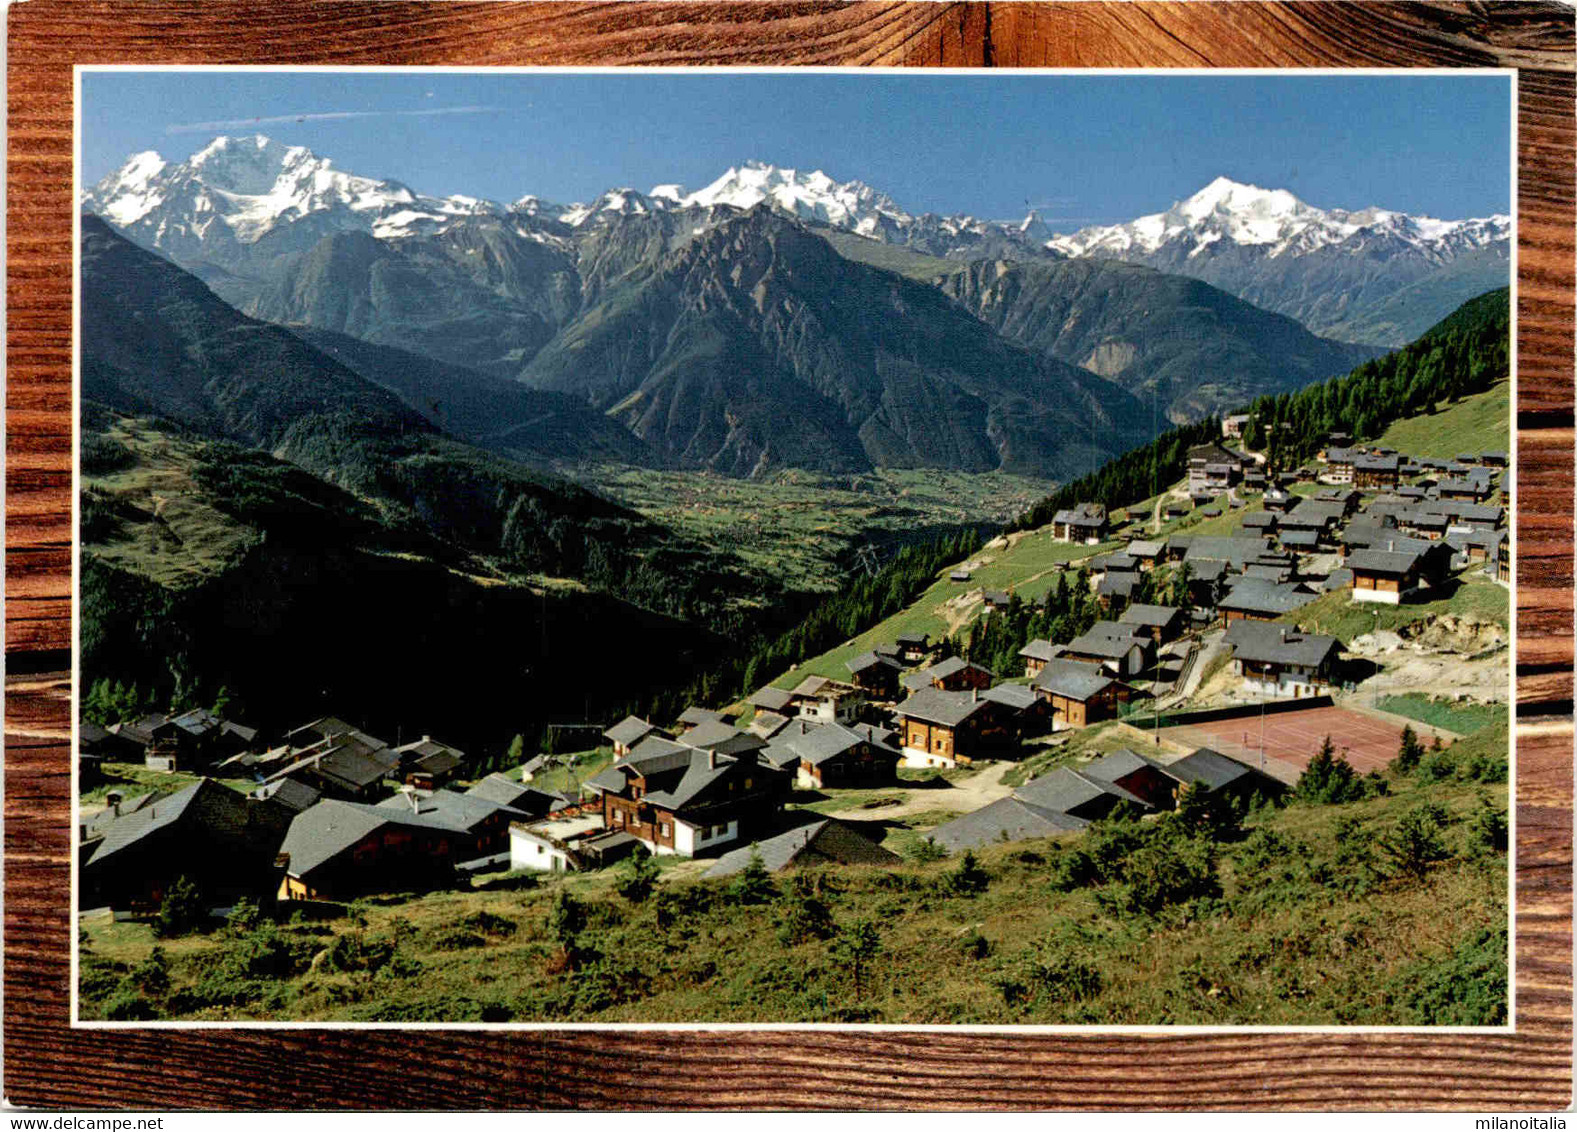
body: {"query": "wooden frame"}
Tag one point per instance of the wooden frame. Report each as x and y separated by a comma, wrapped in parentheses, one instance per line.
(50, 1064)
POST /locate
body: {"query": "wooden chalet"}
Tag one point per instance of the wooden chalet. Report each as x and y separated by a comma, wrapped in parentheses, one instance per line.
(629, 731)
(1078, 694)
(1279, 660)
(1372, 473)
(220, 840)
(1117, 647)
(681, 800)
(1083, 523)
(913, 647)
(875, 674)
(1037, 653)
(829, 701)
(823, 842)
(1385, 576)
(1161, 623)
(939, 728)
(952, 674)
(830, 755)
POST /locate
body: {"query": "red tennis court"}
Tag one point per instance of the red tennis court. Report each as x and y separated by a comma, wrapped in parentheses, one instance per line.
(1293, 737)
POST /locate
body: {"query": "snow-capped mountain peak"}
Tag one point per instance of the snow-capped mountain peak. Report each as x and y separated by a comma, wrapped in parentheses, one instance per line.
(245, 187)
(1230, 213)
(810, 196)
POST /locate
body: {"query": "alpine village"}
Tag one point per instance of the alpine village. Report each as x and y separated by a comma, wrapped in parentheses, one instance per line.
(718, 607)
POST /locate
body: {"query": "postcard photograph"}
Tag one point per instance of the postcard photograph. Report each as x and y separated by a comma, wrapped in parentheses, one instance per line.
(678, 547)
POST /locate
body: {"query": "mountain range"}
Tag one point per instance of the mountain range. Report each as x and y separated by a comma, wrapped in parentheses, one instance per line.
(765, 319)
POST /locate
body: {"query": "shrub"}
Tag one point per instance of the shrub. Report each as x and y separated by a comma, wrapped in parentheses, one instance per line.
(805, 915)
(244, 916)
(1415, 843)
(131, 1007)
(487, 923)
(973, 945)
(754, 884)
(926, 850)
(1487, 831)
(1073, 868)
(152, 975)
(639, 877)
(353, 952)
(1467, 987)
(1168, 871)
(857, 944)
(1328, 779)
(1409, 752)
(1203, 813)
(1272, 866)
(1353, 869)
(181, 912)
(968, 879)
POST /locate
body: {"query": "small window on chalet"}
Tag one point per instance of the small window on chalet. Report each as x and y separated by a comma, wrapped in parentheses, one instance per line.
(663, 829)
(541, 849)
(747, 784)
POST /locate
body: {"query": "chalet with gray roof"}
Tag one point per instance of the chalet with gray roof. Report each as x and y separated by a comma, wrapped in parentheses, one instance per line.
(1084, 523)
(429, 764)
(342, 767)
(1219, 774)
(693, 716)
(1161, 623)
(939, 728)
(1376, 473)
(951, 674)
(1213, 468)
(678, 799)
(1280, 660)
(520, 796)
(219, 839)
(1115, 591)
(338, 849)
(824, 842)
(1078, 694)
(913, 647)
(627, 732)
(829, 701)
(1114, 647)
(1254, 599)
(1061, 801)
(1234, 551)
(765, 724)
(1278, 499)
(1385, 576)
(875, 674)
(825, 755)
(1036, 653)
(1144, 778)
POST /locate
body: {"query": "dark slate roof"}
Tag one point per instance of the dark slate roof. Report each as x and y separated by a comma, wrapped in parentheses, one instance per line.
(518, 795)
(1389, 563)
(1225, 549)
(1072, 680)
(448, 809)
(912, 640)
(958, 576)
(197, 722)
(1118, 764)
(1145, 548)
(869, 660)
(1269, 643)
(1376, 464)
(1338, 579)
(1015, 696)
(291, 793)
(324, 831)
(629, 730)
(1007, 818)
(1040, 650)
(937, 706)
(340, 760)
(772, 699)
(821, 841)
(723, 738)
(1260, 519)
(204, 801)
(1275, 597)
(815, 743)
(767, 724)
(693, 716)
(1209, 767)
(1156, 615)
(1301, 539)
(996, 597)
(696, 778)
(1064, 789)
(952, 665)
(1116, 585)
(1103, 644)
(1082, 515)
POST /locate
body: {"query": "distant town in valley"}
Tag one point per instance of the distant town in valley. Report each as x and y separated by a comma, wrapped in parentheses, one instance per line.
(770, 604)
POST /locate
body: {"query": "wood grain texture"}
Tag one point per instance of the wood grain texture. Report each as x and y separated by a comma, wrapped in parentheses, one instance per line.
(50, 1064)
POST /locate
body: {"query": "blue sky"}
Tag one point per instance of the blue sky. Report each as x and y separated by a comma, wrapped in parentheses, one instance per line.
(1084, 149)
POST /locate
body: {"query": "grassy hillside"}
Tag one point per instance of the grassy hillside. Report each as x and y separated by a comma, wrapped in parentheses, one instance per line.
(1300, 919)
(1472, 595)
(1028, 567)
(1477, 423)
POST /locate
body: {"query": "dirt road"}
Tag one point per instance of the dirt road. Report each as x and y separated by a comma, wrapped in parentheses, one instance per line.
(971, 794)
